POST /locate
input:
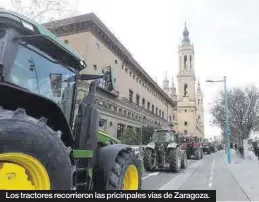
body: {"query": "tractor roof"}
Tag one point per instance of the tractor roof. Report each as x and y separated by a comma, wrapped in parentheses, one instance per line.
(37, 28)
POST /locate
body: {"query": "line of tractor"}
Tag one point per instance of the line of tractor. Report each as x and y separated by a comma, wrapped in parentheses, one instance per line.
(169, 151)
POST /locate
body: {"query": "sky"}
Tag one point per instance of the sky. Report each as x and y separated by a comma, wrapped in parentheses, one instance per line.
(224, 34)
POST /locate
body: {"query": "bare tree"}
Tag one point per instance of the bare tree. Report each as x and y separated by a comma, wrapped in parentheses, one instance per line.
(45, 10)
(130, 137)
(243, 106)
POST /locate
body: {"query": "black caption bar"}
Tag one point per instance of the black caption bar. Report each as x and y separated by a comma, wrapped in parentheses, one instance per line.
(176, 195)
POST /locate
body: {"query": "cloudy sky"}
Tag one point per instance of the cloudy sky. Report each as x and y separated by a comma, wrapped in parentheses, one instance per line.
(224, 33)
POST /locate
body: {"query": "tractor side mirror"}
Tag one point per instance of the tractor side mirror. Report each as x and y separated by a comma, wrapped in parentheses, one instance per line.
(108, 78)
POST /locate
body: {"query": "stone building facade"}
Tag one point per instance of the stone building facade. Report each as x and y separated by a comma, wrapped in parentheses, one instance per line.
(137, 99)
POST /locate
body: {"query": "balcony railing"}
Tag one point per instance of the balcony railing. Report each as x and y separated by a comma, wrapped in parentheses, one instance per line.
(145, 111)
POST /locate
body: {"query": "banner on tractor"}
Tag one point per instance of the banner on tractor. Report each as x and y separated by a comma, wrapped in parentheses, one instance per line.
(176, 195)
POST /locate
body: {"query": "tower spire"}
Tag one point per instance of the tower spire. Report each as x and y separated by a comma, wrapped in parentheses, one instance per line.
(186, 39)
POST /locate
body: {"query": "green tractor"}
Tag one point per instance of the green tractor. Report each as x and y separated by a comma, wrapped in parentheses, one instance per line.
(44, 145)
(164, 152)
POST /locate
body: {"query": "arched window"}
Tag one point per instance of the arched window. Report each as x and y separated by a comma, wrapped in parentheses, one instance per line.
(190, 61)
(185, 61)
(185, 90)
(198, 101)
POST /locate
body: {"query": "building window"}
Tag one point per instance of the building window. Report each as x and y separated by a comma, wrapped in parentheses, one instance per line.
(126, 70)
(120, 129)
(115, 108)
(120, 110)
(185, 61)
(137, 79)
(122, 66)
(137, 99)
(190, 61)
(185, 90)
(95, 67)
(198, 101)
(162, 115)
(134, 76)
(143, 102)
(130, 73)
(116, 62)
(130, 95)
(199, 118)
(159, 112)
(156, 110)
(185, 111)
(185, 132)
(153, 109)
(170, 118)
(148, 106)
(114, 80)
(185, 123)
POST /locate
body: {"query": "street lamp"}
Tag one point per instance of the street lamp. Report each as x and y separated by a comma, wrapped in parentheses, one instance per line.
(226, 113)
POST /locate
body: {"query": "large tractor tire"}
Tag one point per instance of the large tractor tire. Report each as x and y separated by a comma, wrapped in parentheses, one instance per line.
(126, 173)
(32, 155)
(175, 159)
(149, 160)
(197, 154)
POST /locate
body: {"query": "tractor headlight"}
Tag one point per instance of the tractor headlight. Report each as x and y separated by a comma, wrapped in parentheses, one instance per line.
(151, 144)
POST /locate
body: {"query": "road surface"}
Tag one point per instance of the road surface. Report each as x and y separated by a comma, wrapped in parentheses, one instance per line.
(209, 173)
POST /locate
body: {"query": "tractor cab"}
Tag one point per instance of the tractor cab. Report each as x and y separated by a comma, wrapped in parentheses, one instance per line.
(39, 76)
(163, 135)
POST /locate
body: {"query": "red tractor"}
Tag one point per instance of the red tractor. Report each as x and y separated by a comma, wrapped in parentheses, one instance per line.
(193, 147)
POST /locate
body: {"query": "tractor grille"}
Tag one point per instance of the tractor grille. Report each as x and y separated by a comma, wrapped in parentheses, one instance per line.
(161, 146)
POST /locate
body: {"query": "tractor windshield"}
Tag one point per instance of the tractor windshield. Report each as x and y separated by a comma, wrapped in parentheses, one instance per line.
(41, 74)
(162, 136)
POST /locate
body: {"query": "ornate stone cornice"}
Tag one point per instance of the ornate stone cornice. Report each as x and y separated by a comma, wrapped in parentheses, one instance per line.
(90, 22)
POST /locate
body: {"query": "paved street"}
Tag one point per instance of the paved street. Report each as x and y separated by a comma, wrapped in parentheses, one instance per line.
(212, 172)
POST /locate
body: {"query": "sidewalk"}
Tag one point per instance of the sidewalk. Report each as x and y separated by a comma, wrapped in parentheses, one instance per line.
(246, 173)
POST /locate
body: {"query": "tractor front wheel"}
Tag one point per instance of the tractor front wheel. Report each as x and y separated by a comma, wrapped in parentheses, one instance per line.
(184, 160)
(149, 160)
(126, 173)
(175, 159)
(32, 155)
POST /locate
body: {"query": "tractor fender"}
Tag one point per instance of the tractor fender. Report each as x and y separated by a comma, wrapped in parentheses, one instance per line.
(104, 162)
(172, 145)
(151, 145)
